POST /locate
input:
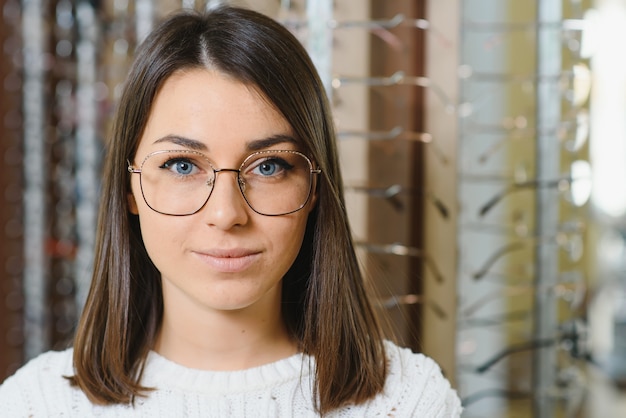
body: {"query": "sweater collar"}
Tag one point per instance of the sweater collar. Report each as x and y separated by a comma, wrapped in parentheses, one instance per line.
(161, 373)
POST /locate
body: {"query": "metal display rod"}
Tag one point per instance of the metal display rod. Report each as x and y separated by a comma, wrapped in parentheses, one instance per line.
(87, 150)
(548, 112)
(35, 265)
(320, 38)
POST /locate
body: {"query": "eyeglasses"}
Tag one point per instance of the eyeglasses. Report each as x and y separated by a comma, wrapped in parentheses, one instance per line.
(570, 287)
(403, 250)
(399, 78)
(392, 194)
(396, 301)
(571, 243)
(572, 133)
(573, 333)
(180, 182)
(396, 133)
(577, 183)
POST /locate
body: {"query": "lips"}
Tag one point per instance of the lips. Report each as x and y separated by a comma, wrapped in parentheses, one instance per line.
(229, 261)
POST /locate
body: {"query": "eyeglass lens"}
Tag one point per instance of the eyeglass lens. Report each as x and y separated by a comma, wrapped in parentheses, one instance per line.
(180, 182)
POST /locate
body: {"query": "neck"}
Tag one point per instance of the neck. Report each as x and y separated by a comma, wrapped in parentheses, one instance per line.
(207, 339)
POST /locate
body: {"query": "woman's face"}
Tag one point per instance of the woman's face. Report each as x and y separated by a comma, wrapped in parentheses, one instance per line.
(226, 256)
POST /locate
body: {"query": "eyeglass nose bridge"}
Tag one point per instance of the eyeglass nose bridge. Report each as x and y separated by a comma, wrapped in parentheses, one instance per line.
(240, 182)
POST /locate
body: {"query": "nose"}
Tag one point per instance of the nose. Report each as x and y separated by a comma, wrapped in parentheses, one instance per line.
(226, 206)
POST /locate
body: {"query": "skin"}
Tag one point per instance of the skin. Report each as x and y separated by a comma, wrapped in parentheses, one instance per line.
(222, 267)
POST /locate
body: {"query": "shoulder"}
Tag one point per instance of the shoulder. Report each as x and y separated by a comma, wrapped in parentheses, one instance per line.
(415, 385)
(37, 383)
(46, 365)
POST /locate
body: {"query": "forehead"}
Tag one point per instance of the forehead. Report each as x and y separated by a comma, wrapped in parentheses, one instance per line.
(213, 108)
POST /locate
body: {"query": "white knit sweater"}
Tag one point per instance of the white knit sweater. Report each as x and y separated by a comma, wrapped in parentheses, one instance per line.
(415, 387)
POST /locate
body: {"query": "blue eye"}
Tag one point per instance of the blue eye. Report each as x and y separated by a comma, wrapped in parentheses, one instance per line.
(270, 167)
(267, 168)
(179, 166)
(183, 167)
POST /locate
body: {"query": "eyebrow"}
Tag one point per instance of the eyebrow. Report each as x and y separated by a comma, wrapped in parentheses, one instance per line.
(254, 145)
(183, 142)
(259, 144)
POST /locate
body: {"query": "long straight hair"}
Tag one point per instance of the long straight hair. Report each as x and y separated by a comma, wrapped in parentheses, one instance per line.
(324, 304)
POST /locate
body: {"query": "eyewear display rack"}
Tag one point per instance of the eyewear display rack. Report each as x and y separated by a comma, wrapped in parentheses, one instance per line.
(369, 57)
(63, 64)
(455, 123)
(520, 272)
(11, 186)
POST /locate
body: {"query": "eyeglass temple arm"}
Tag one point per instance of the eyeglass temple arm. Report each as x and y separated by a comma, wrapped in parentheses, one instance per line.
(517, 187)
(494, 393)
(573, 331)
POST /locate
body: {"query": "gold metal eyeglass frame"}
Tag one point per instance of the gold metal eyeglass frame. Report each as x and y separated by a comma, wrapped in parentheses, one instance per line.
(240, 182)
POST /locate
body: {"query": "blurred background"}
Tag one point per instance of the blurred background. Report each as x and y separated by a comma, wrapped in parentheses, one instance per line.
(483, 145)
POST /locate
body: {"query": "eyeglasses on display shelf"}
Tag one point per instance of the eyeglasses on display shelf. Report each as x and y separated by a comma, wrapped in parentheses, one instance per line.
(484, 317)
(399, 78)
(571, 244)
(393, 195)
(495, 321)
(382, 28)
(405, 251)
(396, 301)
(62, 242)
(570, 287)
(573, 85)
(576, 185)
(519, 225)
(571, 337)
(397, 134)
(572, 132)
(524, 184)
(35, 275)
(569, 390)
(570, 345)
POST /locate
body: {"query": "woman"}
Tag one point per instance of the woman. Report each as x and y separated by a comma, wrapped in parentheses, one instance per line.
(225, 280)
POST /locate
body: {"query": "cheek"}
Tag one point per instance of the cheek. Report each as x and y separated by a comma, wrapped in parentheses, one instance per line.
(289, 240)
(157, 230)
(161, 237)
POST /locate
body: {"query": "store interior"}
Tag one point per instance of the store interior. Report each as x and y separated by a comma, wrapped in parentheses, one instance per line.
(483, 149)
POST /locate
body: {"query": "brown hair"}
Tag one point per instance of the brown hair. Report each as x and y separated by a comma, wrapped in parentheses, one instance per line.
(325, 304)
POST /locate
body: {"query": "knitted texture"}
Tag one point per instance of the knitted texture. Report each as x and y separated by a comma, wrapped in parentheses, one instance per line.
(415, 387)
